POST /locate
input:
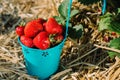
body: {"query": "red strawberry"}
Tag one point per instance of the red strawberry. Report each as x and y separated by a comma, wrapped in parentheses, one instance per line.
(20, 30)
(59, 29)
(42, 41)
(113, 33)
(52, 27)
(44, 24)
(26, 41)
(40, 20)
(32, 28)
(59, 38)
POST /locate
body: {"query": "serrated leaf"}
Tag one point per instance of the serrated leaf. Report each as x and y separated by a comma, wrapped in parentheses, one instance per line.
(118, 14)
(118, 10)
(115, 27)
(74, 12)
(115, 43)
(76, 31)
(110, 22)
(113, 54)
(105, 21)
(88, 1)
(63, 8)
(60, 20)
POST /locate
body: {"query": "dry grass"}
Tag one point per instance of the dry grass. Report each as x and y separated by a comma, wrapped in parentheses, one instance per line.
(82, 60)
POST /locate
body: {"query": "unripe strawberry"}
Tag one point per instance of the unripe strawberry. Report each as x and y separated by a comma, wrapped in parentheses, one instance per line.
(59, 38)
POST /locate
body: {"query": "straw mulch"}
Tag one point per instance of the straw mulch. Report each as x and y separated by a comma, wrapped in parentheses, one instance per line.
(84, 59)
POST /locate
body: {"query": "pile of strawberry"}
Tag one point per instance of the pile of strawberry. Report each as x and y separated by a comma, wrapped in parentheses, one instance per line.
(40, 33)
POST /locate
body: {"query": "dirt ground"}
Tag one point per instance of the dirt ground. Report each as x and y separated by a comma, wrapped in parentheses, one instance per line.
(78, 62)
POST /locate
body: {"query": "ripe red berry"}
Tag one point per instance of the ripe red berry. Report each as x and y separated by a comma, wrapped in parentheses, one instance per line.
(59, 29)
(113, 33)
(26, 41)
(40, 20)
(52, 27)
(32, 28)
(42, 41)
(20, 30)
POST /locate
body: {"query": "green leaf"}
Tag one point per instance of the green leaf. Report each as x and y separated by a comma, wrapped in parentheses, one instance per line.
(105, 21)
(115, 43)
(118, 10)
(104, 24)
(75, 32)
(63, 8)
(110, 22)
(115, 27)
(118, 14)
(113, 54)
(60, 20)
(88, 1)
(74, 12)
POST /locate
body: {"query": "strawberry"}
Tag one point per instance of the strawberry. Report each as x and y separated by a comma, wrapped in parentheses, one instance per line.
(42, 41)
(59, 38)
(113, 33)
(20, 30)
(52, 27)
(59, 29)
(44, 24)
(40, 20)
(32, 28)
(26, 41)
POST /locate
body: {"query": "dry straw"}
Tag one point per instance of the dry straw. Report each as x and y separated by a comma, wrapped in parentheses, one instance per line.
(79, 61)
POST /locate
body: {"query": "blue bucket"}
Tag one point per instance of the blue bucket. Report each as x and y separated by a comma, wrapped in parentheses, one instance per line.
(43, 63)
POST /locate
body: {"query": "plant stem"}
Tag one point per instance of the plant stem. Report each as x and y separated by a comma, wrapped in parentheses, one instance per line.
(107, 48)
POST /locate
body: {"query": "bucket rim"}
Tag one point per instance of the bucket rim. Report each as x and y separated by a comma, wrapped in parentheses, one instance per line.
(22, 45)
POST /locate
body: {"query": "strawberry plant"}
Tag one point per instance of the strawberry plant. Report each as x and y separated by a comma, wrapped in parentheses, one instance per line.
(111, 22)
(62, 19)
(115, 43)
(108, 21)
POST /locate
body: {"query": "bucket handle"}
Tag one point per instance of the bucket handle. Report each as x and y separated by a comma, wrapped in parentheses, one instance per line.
(68, 18)
(104, 7)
